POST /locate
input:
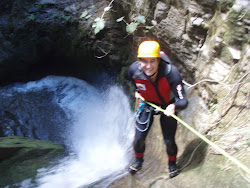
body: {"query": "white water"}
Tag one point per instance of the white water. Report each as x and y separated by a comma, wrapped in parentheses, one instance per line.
(100, 135)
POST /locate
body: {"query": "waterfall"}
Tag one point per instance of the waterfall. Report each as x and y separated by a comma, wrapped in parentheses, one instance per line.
(99, 134)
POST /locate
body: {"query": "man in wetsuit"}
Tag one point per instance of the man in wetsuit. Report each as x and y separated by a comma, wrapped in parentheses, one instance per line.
(154, 78)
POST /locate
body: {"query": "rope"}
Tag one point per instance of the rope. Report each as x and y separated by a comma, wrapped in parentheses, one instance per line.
(216, 147)
(140, 109)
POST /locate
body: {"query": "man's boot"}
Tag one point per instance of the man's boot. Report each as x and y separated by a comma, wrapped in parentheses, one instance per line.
(173, 170)
(136, 166)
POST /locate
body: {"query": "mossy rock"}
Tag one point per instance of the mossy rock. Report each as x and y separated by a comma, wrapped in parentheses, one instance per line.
(224, 5)
(21, 157)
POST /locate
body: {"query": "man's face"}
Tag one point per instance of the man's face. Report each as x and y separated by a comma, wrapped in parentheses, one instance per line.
(149, 65)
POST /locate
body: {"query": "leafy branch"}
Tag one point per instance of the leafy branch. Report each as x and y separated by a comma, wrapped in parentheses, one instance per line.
(85, 15)
(132, 27)
(99, 23)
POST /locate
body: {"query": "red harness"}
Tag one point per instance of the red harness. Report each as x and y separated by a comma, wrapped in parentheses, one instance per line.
(151, 92)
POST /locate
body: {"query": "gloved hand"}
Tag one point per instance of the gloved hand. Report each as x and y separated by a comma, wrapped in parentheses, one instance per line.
(170, 110)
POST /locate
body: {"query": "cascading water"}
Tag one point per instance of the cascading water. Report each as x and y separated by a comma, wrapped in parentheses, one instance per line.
(98, 132)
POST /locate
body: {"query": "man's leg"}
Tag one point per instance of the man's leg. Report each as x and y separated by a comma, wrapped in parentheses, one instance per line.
(139, 141)
(169, 125)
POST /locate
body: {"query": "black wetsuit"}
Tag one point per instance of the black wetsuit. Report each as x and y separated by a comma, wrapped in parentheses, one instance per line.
(168, 79)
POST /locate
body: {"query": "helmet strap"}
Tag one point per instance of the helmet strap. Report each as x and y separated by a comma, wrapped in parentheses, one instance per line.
(152, 74)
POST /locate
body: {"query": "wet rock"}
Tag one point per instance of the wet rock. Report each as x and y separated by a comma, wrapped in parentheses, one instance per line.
(33, 114)
(161, 10)
(211, 47)
(21, 158)
(47, 37)
(205, 39)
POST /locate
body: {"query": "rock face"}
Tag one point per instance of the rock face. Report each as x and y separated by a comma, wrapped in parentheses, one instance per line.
(39, 38)
(32, 113)
(19, 152)
(208, 40)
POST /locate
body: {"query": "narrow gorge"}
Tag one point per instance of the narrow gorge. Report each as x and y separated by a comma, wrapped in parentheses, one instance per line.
(66, 106)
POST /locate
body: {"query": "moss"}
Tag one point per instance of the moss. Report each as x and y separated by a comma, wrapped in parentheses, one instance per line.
(226, 56)
(224, 5)
(215, 25)
(215, 171)
(23, 156)
(236, 32)
(220, 173)
(122, 75)
(232, 32)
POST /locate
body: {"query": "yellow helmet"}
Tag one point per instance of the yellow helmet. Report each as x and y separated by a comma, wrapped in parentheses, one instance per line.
(149, 49)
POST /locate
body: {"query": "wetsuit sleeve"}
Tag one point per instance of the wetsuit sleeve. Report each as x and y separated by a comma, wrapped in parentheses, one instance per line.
(130, 73)
(131, 70)
(175, 81)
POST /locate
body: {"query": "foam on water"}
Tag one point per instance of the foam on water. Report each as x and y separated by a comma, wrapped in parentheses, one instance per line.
(100, 135)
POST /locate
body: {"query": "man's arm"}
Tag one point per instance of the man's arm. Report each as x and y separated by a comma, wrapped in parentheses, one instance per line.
(175, 82)
(131, 70)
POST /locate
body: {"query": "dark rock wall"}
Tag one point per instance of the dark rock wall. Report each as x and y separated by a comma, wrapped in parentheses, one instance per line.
(41, 37)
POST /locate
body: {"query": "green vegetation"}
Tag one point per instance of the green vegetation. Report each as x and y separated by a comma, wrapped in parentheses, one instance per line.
(212, 107)
(224, 5)
(21, 157)
(99, 23)
(132, 27)
(66, 18)
(61, 16)
(41, 6)
(31, 17)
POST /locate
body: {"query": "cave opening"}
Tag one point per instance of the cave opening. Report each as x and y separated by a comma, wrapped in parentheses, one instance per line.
(85, 67)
